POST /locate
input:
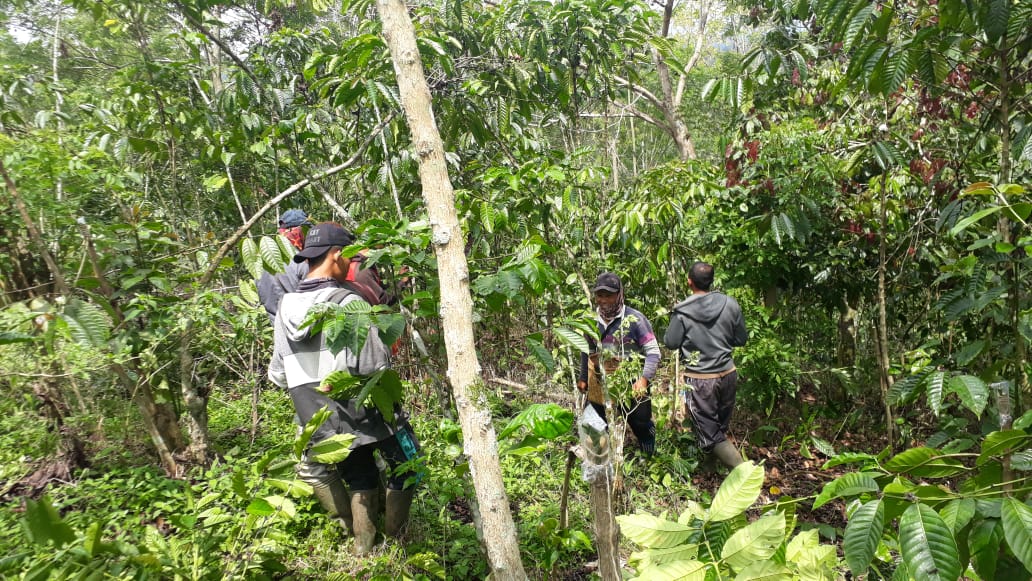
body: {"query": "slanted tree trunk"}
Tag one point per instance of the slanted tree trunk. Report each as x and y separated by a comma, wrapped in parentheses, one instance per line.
(480, 442)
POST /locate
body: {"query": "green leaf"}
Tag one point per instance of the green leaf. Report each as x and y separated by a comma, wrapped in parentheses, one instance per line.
(984, 546)
(87, 323)
(545, 420)
(10, 337)
(972, 391)
(45, 525)
(248, 291)
(573, 338)
(925, 462)
(544, 356)
(764, 571)
(294, 487)
(331, 450)
(679, 570)
(650, 557)
(427, 562)
(653, 532)
(958, 513)
(249, 255)
(283, 505)
(849, 484)
(318, 419)
(862, 536)
(272, 259)
(968, 353)
(996, 20)
(973, 218)
(934, 389)
(260, 507)
(848, 458)
(738, 492)
(756, 542)
(928, 546)
(1017, 529)
(1000, 443)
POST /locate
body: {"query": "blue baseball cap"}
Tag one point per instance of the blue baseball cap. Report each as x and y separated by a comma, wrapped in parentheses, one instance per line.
(293, 218)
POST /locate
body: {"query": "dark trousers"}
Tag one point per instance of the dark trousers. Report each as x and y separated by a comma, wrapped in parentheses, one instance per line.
(711, 403)
(639, 417)
(359, 470)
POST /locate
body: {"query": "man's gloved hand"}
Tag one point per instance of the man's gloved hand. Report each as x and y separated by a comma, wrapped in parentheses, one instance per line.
(640, 387)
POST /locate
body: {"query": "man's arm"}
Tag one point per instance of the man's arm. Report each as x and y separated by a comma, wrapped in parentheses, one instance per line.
(741, 334)
(277, 372)
(674, 336)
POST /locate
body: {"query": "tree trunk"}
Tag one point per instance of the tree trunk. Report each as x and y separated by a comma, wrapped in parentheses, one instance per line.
(884, 379)
(481, 445)
(159, 420)
(595, 452)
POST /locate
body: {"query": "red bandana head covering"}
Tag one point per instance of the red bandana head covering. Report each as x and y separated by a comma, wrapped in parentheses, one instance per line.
(294, 235)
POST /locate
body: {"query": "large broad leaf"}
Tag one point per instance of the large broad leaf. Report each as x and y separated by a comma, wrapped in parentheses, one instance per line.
(863, 534)
(934, 388)
(925, 462)
(811, 560)
(87, 323)
(928, 546)
(272, 257)
(650, 557)
(331, 450)
(11, 337)
(545, 420)
(294, 487)
(972, 392)
(738, 492)
(1001, 443)
(756, 542)
(249, 254)
(45, 525)
(764, 571)
(851, 484)
(653, 532)
(958, 513)
(1017, 529)
(573, 338)
(984, 546)
(679, 570)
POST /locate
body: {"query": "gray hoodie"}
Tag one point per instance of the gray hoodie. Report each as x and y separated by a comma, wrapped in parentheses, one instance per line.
(300, 361)
(705, 328)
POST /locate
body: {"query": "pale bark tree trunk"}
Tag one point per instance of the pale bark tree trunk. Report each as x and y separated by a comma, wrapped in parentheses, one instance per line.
(884, 379)
(456, 303)
(671, 94)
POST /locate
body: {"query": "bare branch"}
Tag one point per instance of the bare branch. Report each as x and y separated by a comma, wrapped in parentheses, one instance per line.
(232, 240)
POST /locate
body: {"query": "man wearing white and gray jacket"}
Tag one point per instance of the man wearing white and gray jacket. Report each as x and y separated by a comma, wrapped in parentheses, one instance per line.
(301, 361)
(704, 329)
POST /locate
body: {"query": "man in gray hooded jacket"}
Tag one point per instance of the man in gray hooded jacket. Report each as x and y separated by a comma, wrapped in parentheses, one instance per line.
(705, 328)
(301, 361)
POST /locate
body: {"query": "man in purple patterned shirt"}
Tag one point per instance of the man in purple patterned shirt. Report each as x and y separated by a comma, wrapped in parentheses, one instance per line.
(623, 331)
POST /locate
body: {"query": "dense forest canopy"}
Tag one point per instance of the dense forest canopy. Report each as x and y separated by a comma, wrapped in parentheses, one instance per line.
(858, 173)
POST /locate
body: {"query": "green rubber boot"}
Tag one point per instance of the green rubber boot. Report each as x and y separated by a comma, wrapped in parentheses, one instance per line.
(363, 519)
(332, 496)
(399, 503)
(726, 453)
